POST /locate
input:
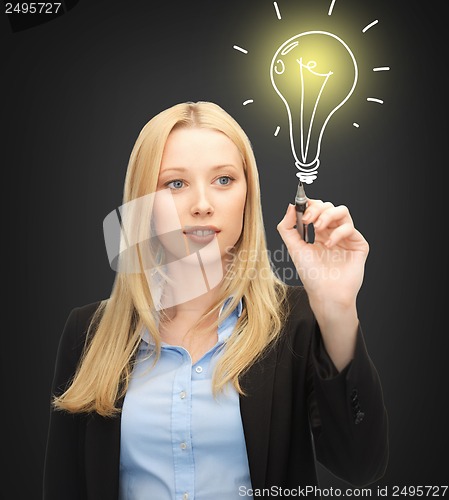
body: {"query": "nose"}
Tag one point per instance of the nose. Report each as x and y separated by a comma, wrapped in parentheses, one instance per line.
(201, 203)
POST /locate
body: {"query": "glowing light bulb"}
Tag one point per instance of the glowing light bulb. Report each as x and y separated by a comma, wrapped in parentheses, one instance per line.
(314, 73)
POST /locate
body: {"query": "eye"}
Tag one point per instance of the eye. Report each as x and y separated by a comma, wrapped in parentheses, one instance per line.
(175, 184)
(225, 180)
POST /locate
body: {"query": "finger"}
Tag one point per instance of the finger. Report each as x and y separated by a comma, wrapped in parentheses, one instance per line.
(287, 228)
(343, 232)
(314, 210)
(333, 216)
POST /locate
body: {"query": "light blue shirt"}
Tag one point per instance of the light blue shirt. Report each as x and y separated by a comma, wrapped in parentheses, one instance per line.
(177, 441)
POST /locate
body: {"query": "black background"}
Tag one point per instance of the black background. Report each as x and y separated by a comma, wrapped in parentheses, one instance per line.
(77, 89)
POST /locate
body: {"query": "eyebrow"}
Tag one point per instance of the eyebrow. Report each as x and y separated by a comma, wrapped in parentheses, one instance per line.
(182, 169)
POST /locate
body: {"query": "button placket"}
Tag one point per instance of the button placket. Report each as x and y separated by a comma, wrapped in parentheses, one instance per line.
(181, 426)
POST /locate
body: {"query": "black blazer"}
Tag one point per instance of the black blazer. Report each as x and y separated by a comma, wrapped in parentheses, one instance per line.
(297, 405)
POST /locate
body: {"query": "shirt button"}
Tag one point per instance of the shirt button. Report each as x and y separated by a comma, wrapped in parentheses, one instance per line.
(185, 496)
(183, 446)
(199, 369)
(182, 394)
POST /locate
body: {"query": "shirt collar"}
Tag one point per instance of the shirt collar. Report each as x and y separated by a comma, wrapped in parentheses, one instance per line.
(238, 309)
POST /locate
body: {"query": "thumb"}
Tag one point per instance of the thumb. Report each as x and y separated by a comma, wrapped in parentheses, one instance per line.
(287, 228)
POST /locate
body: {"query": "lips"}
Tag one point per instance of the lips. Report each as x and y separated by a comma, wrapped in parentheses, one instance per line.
(201, 234)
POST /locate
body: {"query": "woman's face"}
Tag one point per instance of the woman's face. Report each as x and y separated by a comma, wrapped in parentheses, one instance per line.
(202, 174)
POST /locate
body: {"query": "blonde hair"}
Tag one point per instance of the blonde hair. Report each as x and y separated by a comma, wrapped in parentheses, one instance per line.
(114, 335)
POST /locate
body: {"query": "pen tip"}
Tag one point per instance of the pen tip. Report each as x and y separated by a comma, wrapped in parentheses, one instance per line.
(300, 194)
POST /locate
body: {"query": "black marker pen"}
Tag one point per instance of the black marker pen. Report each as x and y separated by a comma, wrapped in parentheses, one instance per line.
(301, 205)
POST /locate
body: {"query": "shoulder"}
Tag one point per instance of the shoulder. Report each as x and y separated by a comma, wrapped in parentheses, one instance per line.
(85, 313)
(71, 344)
(76, 327)
(79, 320)
(291, 347)
(299, 323)
(298, 308)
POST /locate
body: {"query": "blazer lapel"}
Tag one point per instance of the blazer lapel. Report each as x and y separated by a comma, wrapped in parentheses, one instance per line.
(255, 409)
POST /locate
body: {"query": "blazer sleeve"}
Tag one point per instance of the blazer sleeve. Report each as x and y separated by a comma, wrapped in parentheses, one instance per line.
(63, 469)
(347, 414)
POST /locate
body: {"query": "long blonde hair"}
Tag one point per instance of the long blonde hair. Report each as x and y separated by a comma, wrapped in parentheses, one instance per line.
(114, 335)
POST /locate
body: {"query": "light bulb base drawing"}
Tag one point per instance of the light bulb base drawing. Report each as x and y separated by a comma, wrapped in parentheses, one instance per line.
(308, 172)
(307, 177)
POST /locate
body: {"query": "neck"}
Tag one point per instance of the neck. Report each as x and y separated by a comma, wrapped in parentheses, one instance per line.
(191, 288)
(193, 309)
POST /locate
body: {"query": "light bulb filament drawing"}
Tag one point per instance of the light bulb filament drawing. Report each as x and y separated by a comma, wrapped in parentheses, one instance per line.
(314, 73)
(309, 66)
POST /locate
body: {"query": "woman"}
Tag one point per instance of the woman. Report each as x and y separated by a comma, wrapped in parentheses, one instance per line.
(203, 375)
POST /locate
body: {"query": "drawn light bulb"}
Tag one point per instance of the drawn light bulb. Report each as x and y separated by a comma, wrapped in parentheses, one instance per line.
(314, 73)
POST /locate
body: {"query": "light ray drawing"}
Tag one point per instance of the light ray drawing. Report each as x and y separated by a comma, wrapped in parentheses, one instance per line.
(314, 73)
